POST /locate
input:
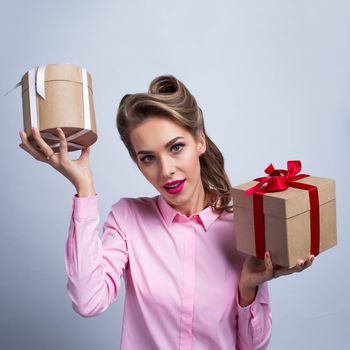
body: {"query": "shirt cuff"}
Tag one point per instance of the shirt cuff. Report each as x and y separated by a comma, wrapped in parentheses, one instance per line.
(85, 207)
(262, 297)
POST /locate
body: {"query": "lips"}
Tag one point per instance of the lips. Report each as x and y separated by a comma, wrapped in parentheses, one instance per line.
(173, 183)
(174, 187)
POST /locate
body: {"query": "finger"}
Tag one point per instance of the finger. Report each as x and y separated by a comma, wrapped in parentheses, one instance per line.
(308, 262)
(85, 152)
(63, 143)
(269, 265)
(29, 148)
(44, 147)
(288, 271)
(300, 266)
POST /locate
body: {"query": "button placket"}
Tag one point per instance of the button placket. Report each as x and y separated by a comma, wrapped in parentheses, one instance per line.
(188, 288)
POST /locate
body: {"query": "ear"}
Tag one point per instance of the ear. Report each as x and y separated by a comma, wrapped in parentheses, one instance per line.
(201, 143)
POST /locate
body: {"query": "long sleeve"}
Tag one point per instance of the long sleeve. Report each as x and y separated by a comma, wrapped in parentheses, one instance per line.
(255, 322)
(93, 266)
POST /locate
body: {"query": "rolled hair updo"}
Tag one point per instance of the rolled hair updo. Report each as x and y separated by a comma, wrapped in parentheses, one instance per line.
(169, 98)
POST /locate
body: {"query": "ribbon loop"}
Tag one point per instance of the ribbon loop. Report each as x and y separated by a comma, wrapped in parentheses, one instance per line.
(40, 81)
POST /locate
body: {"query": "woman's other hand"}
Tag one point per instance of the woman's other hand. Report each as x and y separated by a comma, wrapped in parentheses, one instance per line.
(256, 271)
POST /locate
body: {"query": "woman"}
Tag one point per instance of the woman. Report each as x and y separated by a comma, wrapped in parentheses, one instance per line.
(187, 287)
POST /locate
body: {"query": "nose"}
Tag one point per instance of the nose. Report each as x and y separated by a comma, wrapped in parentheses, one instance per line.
(167, 167)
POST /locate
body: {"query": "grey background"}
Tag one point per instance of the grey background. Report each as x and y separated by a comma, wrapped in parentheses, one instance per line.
(273, 80)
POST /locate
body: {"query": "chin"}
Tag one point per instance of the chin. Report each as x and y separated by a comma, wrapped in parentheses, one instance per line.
(180, 203)
(174, 199)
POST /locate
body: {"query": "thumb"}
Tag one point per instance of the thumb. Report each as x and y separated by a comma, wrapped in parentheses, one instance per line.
(269, 266)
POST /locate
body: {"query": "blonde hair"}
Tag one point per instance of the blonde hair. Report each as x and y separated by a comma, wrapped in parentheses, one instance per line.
(169, 98)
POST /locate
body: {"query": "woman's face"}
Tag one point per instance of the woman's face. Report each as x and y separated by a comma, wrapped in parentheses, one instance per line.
(168, 156)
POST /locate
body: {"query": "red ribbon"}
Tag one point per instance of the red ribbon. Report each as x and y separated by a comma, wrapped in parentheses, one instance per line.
(280, 180)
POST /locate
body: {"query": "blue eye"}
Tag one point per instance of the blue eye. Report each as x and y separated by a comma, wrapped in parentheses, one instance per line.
(177, 147)
(147, 159)
(174, 149)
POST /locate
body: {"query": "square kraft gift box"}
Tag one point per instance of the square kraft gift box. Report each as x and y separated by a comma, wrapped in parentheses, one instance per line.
(59, 95)
(291, 223)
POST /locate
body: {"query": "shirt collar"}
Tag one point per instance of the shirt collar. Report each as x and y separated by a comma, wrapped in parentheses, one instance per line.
(207, 216)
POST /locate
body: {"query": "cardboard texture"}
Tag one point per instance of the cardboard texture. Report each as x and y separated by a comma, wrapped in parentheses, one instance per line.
(287, 220)
(62, 107)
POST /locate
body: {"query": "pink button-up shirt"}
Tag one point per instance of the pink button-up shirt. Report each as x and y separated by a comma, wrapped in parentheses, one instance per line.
(181, 276)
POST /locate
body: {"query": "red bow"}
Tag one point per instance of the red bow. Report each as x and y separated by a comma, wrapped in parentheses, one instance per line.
(278, 179)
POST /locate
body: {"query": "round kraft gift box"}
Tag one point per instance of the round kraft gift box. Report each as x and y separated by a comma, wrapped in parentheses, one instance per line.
(59, 96)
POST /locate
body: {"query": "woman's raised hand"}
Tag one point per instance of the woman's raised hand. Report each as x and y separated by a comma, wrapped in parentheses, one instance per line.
(78, 171)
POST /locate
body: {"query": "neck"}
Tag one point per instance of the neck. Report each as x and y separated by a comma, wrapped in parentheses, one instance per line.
(196, 204)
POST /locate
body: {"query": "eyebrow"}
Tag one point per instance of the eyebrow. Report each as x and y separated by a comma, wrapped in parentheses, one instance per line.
(166, 145)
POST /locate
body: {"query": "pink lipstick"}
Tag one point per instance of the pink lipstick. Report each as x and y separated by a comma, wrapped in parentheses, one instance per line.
(174, 187)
